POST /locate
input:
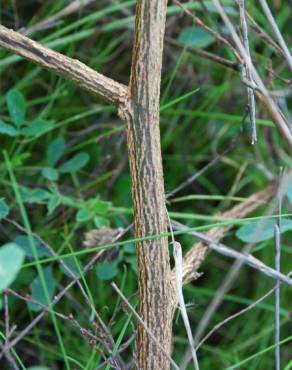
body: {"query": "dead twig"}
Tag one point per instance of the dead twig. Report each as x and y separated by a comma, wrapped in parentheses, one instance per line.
(71, 69)
(196, 255)
(205, 54)
(237, 314)
(246, 72)
(49, 22)
(277, 116)
(277, 32)
(231, 253)
(153, 338)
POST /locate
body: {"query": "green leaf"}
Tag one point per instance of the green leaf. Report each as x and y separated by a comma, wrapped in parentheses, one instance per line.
(16, 106)
(129, 248)
(98, 206)
(195, 36)
(4, 209)
(83, 215)
(7, 129)
(35, 195)
(132, 261)
(37, 127)
(53, 203)
(106, 270)
(23, 242)
(74, 164)
(50, 173)
(101, 222)
(38, 368)
(259, 231)
(55, 151)
(11, 259)
(37, 290)
(20, 158)
(71, 263)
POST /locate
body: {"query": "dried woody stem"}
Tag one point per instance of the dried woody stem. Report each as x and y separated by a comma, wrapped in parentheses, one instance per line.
(145, 160)
(243, 60)
(196, 255)
(263, 94)
(71, 69)
(246, 72)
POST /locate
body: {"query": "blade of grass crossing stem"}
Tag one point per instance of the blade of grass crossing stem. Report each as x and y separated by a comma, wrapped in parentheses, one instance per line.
(152, 237)
(173, 74)
(121, 336)
(289, 366)
(177, 100)
(2, 335)
(87, 289)
(35, 254)
(250, 358)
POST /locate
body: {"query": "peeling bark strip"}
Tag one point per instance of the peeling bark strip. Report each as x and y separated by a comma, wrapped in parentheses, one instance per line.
(71, 69)
(147, 184)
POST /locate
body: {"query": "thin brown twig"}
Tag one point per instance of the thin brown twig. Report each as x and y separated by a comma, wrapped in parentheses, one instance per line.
(66, 268)
(9, 358)
(220, 39)
(154, 339)
(232, 253)
(277, 116)
(277, 32)
(205, 54)
(86, 333)
(219, 296)
(8, 355)
(237, 314)
(71, 69)
(246, 71)
(197, 254)
(56, 299)
(262, 34)
(74, 6)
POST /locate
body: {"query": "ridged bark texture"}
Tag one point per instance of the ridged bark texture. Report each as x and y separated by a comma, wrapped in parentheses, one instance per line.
(147, 184)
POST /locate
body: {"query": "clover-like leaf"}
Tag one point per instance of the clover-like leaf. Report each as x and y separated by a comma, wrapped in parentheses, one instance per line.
(75, 164)
(11, 259)
(195, 36)
(16, 106)
(50, 173)
(6, 129)
(55, 150)
(259, 231)
(4, 209)
(37, 127)
(38, 290)
(106, 270)
(35, 195)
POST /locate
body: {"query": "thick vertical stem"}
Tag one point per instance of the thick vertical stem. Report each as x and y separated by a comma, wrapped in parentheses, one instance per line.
(147, 184)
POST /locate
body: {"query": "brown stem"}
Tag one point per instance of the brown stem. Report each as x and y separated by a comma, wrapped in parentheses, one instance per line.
(71, 69)
(147, 184)
(197, 254)
(205, 54)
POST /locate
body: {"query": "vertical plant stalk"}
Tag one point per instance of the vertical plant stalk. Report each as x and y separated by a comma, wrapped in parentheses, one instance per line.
(142, 122)
(246, 73)
(277, 237)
